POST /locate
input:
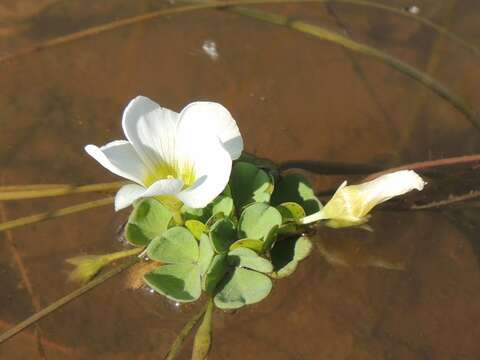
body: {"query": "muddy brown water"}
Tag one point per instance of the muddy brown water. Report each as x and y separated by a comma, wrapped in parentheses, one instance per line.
(409, 290)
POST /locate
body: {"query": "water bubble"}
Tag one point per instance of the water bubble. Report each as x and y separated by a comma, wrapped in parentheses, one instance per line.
(415, 10)
(210, 48)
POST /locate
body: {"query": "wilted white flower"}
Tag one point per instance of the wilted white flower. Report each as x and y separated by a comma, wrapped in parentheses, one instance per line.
(350, 205)
(181, 157)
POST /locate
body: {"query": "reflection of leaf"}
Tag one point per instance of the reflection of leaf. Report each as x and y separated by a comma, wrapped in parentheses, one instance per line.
(339, 249)
(180, 282)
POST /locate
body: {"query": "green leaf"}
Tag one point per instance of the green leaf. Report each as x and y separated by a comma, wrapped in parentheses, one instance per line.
(286, 255)
(214, 218)
(201, 215)
(249, 259)
(197, 228)
(215, 273)
(223, 204)
(255, 245)
(149, 219)
(249, 184)
(203, 337)
(257, 220)
(295, 188)
(291, 211)
(206, 253)
(223, 234)
(179, 282)
(242, 287)
(270, 239)
(176, 246)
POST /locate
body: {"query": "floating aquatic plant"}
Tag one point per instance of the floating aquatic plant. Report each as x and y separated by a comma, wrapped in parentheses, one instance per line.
(215, 222)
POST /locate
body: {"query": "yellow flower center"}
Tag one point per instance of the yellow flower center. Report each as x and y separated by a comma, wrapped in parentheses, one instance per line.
(184, 172)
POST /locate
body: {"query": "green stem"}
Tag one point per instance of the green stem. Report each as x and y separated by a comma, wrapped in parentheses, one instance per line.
(36, 218)
(182, 336)
(17, 192)
(66, 299)
(203, 338)
(324, 34)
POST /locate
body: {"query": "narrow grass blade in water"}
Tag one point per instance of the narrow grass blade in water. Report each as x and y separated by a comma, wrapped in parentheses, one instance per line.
(203, 337)
(66, 299)
(18, 192)
(36, 218)
(324, 34)
(95, 30)
(182, 336)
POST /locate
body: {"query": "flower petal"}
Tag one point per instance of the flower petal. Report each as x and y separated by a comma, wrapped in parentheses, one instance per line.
(205, 117)
(388, 186)
(164, 187)
(120, 158)
(151, 130)
(127, 194)
(212, 164)
(131, 192)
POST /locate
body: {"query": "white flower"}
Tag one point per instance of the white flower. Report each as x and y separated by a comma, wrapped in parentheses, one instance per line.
(178, 157)
(350, 205)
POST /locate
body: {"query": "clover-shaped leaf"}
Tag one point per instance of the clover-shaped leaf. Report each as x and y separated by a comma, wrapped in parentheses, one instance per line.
(179, 282)
(246, 258)
(206, 253)
(255, 245)
(223, 204)
(201, 214)
(177, 245)
(197, 228)
(215, 273)
(257, 220)
(295, 188)
(291, 211)
(249, 184)
(179, 279)
(149, 219)
(223, 234)
(286, 255)
(242, 287)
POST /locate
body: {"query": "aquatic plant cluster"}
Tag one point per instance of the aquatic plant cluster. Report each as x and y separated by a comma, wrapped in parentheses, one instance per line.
(213, 220)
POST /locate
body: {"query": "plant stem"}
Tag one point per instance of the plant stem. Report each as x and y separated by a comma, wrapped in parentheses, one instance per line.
(36, 218)
(203, 338)
(422, 165)
(276, 19)
(452, 199)
(17, 192)
(66, 299)
(182, 336)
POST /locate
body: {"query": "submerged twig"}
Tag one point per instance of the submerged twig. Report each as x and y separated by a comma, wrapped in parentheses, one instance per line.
(66, 299)
(18, 192)
(182, 336)
(452, 199)
(36, 218)
(94, 30)
(422, 165)
(327, 35)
